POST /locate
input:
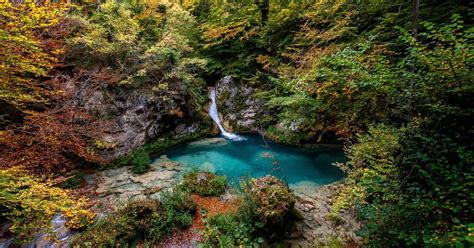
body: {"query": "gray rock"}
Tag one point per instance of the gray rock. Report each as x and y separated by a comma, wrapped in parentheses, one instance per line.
(135, 114)
(131, 188)
(239, 107)
(117, 186)
(315, 228)
(152, 178)
(209, 141)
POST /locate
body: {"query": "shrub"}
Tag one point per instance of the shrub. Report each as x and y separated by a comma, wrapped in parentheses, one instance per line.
(204, 183)
(184, 220)
(140, 162)
(142, 211)
(163, 226)
(179, 208)
(228, 230)
(435, 172)
(30, 204)
(149, 220)
(178, 200)
(265, 206)
(125, 226)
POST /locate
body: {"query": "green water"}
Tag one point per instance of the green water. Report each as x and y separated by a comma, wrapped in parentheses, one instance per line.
(250, 157)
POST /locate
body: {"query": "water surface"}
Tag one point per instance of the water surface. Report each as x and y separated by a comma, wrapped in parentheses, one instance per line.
(250, 158)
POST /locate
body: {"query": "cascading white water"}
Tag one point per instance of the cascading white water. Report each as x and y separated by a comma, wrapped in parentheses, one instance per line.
(215, 117)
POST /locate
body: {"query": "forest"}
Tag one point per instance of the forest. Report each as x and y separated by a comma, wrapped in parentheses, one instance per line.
(236, 123)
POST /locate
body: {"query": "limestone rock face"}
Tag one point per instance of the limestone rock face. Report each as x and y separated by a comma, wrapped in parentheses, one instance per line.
(135, 115)
(239, 108)
(314, 228)
(117, 186)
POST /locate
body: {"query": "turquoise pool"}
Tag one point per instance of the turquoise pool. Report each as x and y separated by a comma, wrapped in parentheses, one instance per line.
(250, 158)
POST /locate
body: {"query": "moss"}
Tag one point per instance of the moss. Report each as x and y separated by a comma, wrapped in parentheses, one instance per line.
(332, 242)
(297, 214)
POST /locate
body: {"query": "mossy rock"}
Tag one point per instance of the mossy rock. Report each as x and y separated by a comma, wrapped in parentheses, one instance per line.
(297, 214)
(204, 183)
(273, 199)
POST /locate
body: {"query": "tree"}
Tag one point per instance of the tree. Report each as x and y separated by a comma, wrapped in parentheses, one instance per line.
(50, 138)
(26, 58)
(30, 203)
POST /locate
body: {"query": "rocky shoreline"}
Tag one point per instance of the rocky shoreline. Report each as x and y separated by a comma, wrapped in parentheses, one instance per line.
(315, 227)
(114, 187)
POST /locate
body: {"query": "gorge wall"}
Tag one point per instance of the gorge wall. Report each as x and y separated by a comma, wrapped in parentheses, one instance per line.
(238, 106)
(133, 116)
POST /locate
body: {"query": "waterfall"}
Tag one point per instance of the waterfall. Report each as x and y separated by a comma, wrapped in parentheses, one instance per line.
(215, 116)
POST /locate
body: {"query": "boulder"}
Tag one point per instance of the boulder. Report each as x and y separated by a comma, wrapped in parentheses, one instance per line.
(273, 199)
(313, 227)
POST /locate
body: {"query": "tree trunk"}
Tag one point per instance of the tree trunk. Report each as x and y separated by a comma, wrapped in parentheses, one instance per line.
(264, 7)
(415, 13)
(264, 10)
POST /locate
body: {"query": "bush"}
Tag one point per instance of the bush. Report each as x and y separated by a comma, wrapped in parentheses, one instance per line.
(228, 230)
(204, 183)
(140, 162)
(142, 211)
(264, 209)
(139, 159)
(30, 204)
(178, 200)
(435, 172)
(179, 208)
(125, 226)
(149, 220)
(163, 226)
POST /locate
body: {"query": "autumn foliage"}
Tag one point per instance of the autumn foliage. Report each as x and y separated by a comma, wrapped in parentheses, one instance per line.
(30, 204)
(41, 135)
(27, 54)
(48, 142)
(53, 134)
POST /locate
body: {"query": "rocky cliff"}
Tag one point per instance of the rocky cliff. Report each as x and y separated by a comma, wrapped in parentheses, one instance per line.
(135, 115)
(239, 108)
